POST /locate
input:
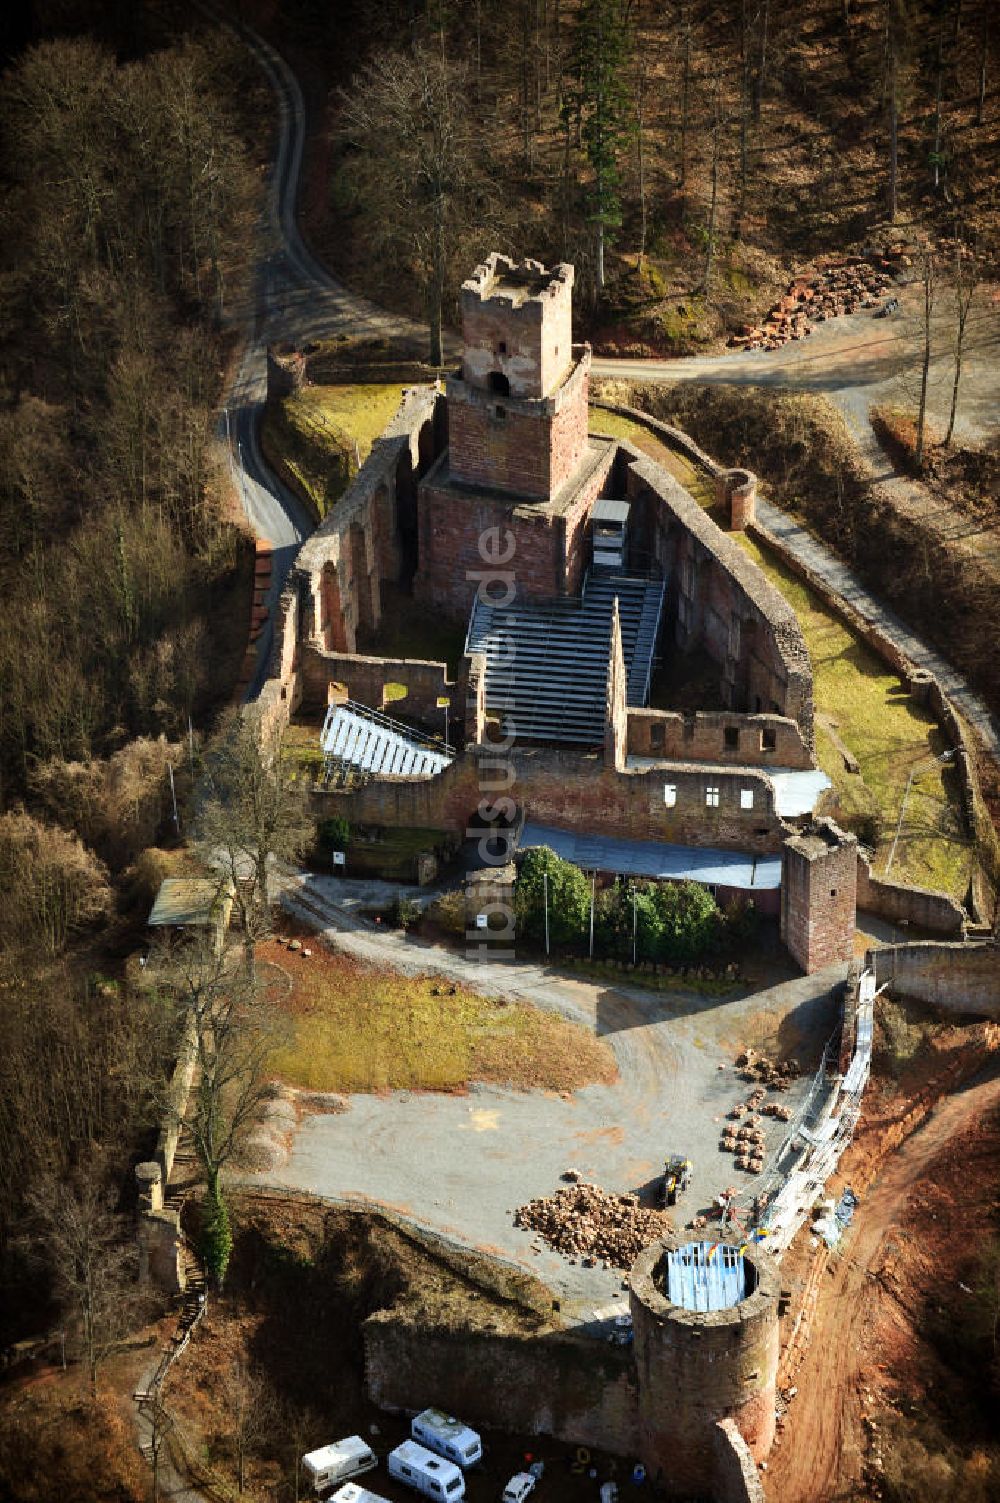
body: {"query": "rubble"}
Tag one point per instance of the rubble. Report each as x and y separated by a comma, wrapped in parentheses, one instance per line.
(583, 1221)
(843, 286)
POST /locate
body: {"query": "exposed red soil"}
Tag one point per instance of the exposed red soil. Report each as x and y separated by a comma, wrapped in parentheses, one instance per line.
(926, 1161)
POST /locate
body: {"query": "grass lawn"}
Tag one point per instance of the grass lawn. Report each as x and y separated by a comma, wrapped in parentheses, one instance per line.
(890, 736)
(690, 475)
(359, 412)
(322, 433)
(868, 709)
(357, 1028)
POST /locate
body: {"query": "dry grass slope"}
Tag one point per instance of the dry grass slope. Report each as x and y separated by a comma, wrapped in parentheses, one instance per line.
(356, 1028)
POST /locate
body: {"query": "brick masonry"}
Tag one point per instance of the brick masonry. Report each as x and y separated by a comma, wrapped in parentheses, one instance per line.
(550, 541)
(819, 895)
(697, 1369)
(707, 736)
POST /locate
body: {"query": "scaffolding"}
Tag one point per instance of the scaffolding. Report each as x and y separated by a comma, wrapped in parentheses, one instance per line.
(703, 1276)
(817, 1136)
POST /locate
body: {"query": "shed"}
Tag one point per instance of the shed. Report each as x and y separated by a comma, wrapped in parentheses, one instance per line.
(193, 903)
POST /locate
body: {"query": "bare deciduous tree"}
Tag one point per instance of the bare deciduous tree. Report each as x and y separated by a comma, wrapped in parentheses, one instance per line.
(929, 283)
(255, 814)
(965, 281)
(419, 167)
(92, 1259)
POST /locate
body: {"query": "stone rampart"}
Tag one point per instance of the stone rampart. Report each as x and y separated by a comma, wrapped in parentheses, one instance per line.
(548, 1382)
(720, 601)
(959, 979)
(696, 1368)
(706, 736)
(737, 1479)
(932, 911)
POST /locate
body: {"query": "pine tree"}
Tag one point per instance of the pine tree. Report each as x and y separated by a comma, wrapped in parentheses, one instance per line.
(599, 103)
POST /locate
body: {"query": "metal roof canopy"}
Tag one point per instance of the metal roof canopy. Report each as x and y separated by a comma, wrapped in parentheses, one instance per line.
(188, 901)
(606, 510)
(647, 858)
(705, 1276)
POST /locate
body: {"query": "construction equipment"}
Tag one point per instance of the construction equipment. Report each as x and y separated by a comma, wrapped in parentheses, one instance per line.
(677, 1172)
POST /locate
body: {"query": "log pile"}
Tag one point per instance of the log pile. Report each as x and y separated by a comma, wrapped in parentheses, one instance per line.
(591, 1225)
(844, 286)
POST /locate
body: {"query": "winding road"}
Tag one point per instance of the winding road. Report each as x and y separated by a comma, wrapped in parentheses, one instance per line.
(296, 300)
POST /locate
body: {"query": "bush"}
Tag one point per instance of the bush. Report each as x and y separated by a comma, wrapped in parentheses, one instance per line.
(333, 834)
(216, 1242)
(568, 898)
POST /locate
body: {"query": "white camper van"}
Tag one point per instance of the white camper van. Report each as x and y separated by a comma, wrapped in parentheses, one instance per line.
(447, 1436)
(335, 1463)
(353, 1492)
(426, 1473)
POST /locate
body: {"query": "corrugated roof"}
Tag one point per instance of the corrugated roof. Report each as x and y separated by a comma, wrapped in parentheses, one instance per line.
(647, 858)
(186, 901)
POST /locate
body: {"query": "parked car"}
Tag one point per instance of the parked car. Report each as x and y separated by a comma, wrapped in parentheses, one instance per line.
(519, 1487)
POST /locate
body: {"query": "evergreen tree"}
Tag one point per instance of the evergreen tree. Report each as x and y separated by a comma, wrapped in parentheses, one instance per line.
(599, 105)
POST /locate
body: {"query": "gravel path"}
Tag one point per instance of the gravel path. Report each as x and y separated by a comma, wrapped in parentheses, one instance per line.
(461, 1164)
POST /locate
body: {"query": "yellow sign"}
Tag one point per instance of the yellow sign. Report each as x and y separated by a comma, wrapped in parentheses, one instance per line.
(443, 702)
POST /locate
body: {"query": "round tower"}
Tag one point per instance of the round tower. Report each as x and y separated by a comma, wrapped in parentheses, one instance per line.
(705, 1317)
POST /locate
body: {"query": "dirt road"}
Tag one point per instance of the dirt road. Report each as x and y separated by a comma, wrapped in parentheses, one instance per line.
(823, 1449)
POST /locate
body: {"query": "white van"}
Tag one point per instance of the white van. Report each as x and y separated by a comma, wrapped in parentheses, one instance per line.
(353, 1492)
(426, 1473)
(335, 1463)
(447, 1436)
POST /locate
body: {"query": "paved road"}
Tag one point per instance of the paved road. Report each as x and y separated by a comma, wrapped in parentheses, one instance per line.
(295, 299)
(462, 1163)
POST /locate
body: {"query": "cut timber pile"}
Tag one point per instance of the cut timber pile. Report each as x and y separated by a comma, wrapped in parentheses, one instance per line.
(590, 1223)
(843, 286)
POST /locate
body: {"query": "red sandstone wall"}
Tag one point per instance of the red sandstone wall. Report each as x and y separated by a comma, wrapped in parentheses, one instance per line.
(701, 738)
(365, 679)
(551, 550)
(530, 449)
(819, 899)
(574, 790)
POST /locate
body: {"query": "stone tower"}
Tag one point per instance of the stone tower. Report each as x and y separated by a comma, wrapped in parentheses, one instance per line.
(517, 415)
(520, 474)
(819, 887)
(698, 1367)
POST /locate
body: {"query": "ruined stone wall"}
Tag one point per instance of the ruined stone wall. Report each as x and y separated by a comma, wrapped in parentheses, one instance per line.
(954, 978)
(696, 1369)
(575, 790)
(934, 912)
(336, 582)
(721, 737)
(719, 600)
(819, 875)
(545, 1383)
(737, 1479)
(550, 542)
(365, 678)
(523, 332)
